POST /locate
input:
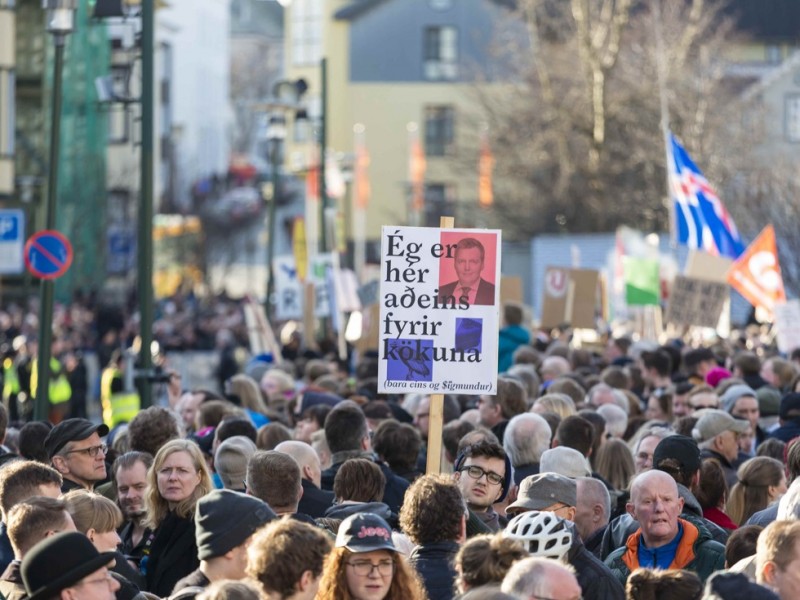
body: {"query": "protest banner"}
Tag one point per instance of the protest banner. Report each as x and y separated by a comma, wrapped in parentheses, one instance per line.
(569, 296)
(320, 264)
(288, 289)
(756, 274)
(695, 302)
(439, 317)
(787, 325)
(511, 290)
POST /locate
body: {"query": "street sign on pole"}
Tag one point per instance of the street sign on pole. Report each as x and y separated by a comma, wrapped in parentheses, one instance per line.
(12, 241)
(48, 254)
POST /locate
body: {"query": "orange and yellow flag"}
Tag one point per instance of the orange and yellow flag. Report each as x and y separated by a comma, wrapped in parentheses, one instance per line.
(756, 274)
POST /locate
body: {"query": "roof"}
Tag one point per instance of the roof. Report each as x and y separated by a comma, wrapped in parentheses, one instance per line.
(786, 68)
(358, 7)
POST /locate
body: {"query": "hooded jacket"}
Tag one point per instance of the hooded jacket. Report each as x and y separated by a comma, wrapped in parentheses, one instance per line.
(696, 552)
(511, 338)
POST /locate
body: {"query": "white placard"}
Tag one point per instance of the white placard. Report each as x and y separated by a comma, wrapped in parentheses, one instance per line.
(288, 289)
(787, 324)
(439, 316)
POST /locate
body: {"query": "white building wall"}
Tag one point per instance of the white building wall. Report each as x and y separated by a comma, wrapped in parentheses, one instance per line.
(198, 31)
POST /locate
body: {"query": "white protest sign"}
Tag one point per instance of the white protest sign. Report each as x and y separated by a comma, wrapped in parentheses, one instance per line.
(319, 266)
(288, 289)
(787, 324)
(439, 316)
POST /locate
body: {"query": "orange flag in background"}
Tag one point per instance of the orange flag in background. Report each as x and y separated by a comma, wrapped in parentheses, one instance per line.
(363, 189)
(485, 167)
(416, 171)
(756, 274)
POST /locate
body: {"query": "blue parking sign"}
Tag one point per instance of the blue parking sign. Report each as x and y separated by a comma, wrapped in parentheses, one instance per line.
(12, 241)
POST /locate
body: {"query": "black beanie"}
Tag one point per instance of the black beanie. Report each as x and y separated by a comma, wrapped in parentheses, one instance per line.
(224, 519)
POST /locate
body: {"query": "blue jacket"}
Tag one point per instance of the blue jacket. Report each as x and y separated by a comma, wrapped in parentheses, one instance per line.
(511, 338)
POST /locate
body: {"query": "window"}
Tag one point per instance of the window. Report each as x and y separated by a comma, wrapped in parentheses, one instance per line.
(441, 53)
(306, 32)
(439, 130)
(6, 112)
(440, 202)
(792, 117)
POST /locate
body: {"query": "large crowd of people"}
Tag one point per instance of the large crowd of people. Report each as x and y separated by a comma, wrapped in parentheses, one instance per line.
(629, 471)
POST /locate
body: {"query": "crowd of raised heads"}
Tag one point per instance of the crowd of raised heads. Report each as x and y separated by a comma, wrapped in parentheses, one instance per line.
(628, 471)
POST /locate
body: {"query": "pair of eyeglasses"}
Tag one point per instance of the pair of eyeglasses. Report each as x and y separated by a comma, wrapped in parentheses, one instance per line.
(103, 581)
(92, 451)
(476, 472)
(365, 567)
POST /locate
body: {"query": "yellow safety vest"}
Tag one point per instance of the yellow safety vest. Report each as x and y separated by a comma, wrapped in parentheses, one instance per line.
(60, 391)
(10, 379)
(119, 407)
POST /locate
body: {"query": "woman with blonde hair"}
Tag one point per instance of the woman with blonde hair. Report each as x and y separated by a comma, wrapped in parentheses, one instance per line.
(365, 565)
(176, 481)
(762, 480)
(98, 518)
(246, 390)
(560, 404)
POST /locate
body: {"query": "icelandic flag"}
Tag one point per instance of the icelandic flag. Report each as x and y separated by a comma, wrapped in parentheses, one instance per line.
(701, 219)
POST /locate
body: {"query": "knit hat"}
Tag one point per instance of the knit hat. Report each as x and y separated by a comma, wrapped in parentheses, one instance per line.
(717, 374)
(565, 461)
(790, 406)
(769, 401)
(365, 532)
(59, 562)
(714, 422)
(540, 491)
(733, 393)
(224, 519)
(680, 448)
(231, 460)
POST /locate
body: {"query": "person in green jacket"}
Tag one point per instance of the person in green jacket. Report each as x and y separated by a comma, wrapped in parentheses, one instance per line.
(664, 540)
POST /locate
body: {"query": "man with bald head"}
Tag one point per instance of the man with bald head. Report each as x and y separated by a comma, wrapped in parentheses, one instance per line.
(664, 540)
(315, 501)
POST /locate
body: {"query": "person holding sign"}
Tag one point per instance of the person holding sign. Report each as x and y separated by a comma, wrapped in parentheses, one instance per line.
(468, 261)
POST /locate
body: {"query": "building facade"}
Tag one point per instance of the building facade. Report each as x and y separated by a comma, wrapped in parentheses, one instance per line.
(7, 100)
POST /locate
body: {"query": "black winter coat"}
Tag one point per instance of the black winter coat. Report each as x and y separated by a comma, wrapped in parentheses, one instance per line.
(434, 563)
(173, 555)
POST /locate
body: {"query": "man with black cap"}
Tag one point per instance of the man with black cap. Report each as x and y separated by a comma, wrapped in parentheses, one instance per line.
(679, 457)
(224, 523)
(77, 452)
(67, 566)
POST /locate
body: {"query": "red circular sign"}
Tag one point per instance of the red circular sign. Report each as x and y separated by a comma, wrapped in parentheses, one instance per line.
(48, 254)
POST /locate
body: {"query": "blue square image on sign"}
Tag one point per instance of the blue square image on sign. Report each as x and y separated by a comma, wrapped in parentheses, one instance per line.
(409, 360)
(469, 334)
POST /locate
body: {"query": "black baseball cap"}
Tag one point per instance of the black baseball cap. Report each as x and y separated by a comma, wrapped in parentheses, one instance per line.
(365, 532)
(71, 430)
(680, 448)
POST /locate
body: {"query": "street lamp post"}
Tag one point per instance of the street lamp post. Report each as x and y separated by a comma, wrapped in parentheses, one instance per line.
(276, 134)
(60, 23)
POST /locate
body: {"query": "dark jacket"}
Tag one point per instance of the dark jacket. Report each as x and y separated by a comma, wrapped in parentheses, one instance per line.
(523, 471)
(730, 471)
(6, 551)
(621, 528)
(395, 488)
(434, 563)
(595, 578)
(194, 579)
(595, 542)
(314, 501)
(173, 555)
(342, 511)
(696, 552)
(787, 431)
(67, 485)
(483, 297)
(124, 569)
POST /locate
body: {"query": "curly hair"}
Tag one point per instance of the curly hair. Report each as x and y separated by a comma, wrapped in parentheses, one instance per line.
(406, 584)
(486, 559)
(432, 510)
(359, 480)
(151, 429)
(282, 551)
(155, 505)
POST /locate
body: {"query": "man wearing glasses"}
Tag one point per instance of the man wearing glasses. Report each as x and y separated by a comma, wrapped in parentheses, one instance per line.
(77, 452)
(483, 474)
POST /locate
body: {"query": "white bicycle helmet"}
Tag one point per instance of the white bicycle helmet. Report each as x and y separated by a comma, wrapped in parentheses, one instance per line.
(541, 533)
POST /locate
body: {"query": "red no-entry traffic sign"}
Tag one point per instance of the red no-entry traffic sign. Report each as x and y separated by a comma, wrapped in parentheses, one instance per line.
(48, 254)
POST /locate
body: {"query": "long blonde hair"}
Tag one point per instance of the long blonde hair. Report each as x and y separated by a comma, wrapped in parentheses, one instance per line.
(246, 388)
(156, 506)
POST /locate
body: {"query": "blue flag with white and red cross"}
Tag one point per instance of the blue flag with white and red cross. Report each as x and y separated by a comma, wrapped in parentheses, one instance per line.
(701, 219)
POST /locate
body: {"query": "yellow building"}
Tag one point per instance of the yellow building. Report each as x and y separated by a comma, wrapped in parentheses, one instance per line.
(404, 70)
(7, 44)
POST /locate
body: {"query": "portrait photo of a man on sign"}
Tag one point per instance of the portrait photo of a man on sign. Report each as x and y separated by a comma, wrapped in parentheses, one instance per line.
(471, 262)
